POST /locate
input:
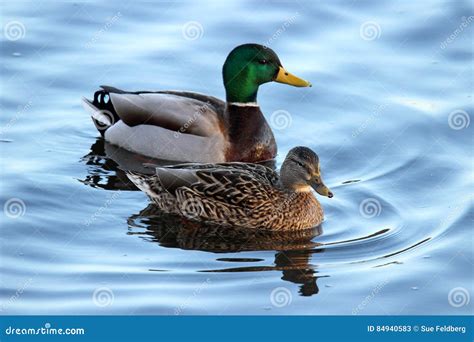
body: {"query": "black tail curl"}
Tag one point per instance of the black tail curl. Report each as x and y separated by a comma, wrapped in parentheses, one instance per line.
(103, 102)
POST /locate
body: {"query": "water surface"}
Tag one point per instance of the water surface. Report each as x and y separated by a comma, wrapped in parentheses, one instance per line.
(388, 113)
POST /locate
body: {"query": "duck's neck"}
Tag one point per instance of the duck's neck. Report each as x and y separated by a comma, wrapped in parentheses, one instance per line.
(294, 189)
(249, 135)
(241, 97)
(240, 87)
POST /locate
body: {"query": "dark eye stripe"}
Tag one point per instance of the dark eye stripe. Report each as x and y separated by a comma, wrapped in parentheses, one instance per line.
(301, 164)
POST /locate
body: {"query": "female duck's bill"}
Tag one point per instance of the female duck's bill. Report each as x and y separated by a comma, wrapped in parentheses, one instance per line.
(241, 194)
(164, 124)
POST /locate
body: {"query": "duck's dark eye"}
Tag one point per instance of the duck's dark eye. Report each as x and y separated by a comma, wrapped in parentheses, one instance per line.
(263, 61)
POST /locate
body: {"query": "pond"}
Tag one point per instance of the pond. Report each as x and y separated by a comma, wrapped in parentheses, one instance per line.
(388, 114)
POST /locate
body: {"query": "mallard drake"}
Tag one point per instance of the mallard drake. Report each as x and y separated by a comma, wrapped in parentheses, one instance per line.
(241, 194)
(192, 127)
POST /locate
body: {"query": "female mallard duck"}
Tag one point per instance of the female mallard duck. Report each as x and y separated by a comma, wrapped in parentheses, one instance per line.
(193, 127)
(241, 194)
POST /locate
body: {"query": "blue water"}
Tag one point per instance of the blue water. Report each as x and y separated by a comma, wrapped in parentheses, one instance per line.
(389, 115)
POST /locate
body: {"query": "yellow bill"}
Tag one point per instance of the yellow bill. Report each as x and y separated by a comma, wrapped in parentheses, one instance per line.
(284, 76)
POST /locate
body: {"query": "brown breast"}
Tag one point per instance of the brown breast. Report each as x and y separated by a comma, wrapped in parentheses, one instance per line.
(250, 138)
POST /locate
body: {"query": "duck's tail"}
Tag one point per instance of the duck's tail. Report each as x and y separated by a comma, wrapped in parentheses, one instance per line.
(101, 110)
(151, 186)
(145, 183)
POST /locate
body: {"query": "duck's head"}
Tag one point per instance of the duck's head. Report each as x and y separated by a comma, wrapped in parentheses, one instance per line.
(300, 172)
(250, 65)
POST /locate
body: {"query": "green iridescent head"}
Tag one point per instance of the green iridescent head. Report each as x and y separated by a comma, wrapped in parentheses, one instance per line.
(250, 65)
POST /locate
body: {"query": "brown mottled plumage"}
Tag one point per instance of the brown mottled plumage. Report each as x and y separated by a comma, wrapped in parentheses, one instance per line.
(241, 194)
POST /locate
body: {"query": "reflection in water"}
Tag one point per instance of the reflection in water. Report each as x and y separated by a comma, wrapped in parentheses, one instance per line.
(107, 165)
(104, 172)
(294, 248)
(376, 141)
(296, 268)
(176, 231)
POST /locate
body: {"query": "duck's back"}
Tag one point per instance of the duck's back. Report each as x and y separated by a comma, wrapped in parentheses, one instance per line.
(236, 194)
(170, 125)
(182, 126)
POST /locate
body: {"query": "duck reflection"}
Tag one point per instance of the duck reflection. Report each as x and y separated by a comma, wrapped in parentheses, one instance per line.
(294, 248)
(107, 164)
